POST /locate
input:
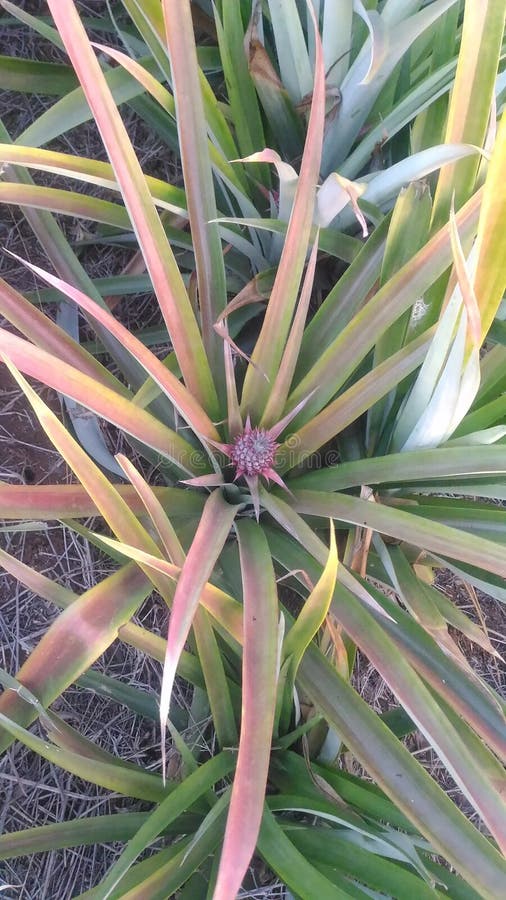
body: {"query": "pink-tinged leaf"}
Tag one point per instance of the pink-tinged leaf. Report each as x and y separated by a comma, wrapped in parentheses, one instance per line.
(197, 172)
(220, 329)
(280, 426)
(335, 193)
(207, 481)
(160, 262)
(286, 172)
(71, 501)
(140, 638)
(466, 285)
(255, 291)
(281, 387)
(278, 316)
(207, 646)
(210, 537)
(222, 606)
(259, 680)
(75, 640)
(219, 152)
(102, 491)
(101, 400)
(39, 584)
(155, 510)
(233, 410)
(110, 504)
(272, 475)
(183, 400)
(43, 332)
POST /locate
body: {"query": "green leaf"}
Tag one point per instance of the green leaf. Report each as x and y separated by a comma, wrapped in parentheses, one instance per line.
(471, 99)
(65, 202)
(380, 189)
(83, 832)
(31, 77)
(38, 25)
(240, 90)
(139, 701)
(259, 677)
(217, 687)
(357, 97)
(475, 701)
(289, 863)
(281, 387)
(130, 782)
(377, 315)
(407, 468)
(291, 48)
(314, 611)
(402, 778)
(329, 847)
(289, 773)
(410, 690)
(344, 300)
(89, 171)
(181, 799)
(349, 405)
(305, 627)
(404, 526)
(408, 229)
(160, 876)
(280, 112)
